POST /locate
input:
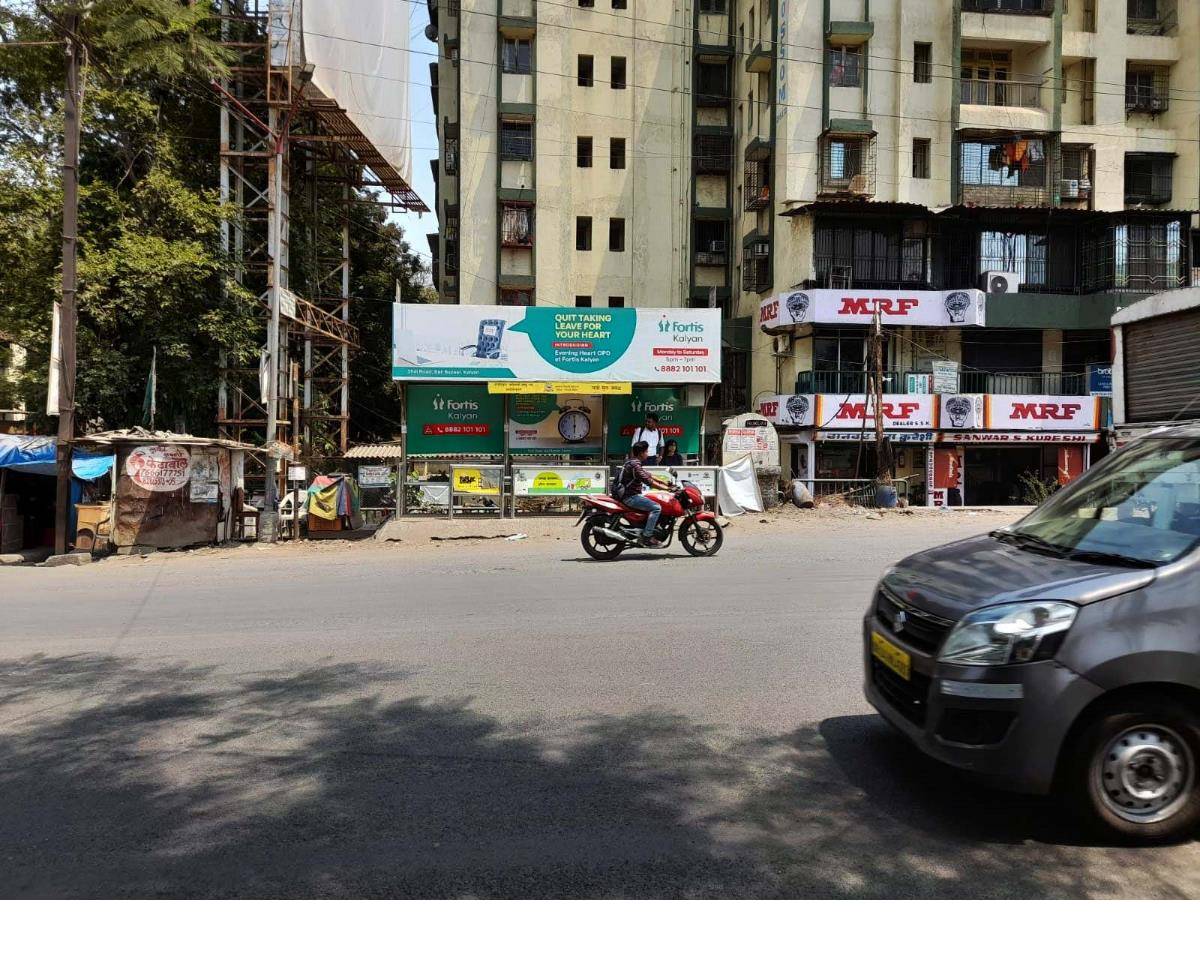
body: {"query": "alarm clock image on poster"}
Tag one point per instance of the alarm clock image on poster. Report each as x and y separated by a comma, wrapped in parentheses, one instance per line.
(574, 421)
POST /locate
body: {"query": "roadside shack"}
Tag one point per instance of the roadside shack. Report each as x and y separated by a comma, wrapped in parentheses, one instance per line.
(172, 490)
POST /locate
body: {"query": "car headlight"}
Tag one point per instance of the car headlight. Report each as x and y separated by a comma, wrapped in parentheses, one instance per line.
(1013, 633)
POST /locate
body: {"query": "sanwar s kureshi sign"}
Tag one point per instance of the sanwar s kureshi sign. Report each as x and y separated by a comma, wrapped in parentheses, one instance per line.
(433, 342)
(917, 307)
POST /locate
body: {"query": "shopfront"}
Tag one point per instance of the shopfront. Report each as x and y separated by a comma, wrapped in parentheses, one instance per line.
(540, 401)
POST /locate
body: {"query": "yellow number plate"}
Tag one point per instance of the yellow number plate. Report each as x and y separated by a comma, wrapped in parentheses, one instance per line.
(890, 655)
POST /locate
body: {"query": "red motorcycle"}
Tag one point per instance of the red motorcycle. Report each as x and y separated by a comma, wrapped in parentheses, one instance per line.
(609, 527)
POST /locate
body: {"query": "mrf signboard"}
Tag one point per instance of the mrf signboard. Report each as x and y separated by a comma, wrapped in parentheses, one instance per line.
(454, 420)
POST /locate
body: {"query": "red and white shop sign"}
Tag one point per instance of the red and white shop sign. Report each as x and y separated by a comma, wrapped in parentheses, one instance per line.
(981, 438)
(161, 468)
(1043, 413)
(899, 411)
(797, 410)
(917, 307)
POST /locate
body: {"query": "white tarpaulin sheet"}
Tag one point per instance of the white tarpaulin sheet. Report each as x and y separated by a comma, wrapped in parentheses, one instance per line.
(737, 488)
(359, 52)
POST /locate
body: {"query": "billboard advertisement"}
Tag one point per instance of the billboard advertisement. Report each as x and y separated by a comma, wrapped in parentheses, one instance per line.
(454, 420)
(433, 342)
(556, 423)
(1043, 413)
(676, 420)
(915, 307)
(899, 412)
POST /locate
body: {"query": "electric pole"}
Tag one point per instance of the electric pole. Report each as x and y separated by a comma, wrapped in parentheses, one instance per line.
(883, 456)
(69, 312)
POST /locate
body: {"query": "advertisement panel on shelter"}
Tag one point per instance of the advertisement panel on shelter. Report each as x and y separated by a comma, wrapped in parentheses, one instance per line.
(1043, 413)
(556, 423)
(899, 412)
(431, 342)
(675, 419)
(558, 481)
(917, 307)
(454, 420)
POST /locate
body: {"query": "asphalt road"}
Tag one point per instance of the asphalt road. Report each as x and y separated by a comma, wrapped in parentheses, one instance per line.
(497, 719)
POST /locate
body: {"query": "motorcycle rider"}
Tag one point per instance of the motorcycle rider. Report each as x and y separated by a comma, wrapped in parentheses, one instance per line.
(632, 481)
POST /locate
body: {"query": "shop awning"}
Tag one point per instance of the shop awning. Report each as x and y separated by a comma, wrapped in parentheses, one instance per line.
(38, 455)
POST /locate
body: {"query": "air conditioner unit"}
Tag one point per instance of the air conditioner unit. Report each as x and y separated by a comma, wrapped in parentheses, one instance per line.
(1069, 190)
(999, 283)
(1155, 105)
(716, 247)
(782, 343)
(860, 184)
(760, 250)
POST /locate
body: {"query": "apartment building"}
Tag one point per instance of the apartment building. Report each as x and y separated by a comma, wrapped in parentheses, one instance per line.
(734, 153)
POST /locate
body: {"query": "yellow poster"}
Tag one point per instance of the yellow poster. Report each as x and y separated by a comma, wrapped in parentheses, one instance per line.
(559, 388)
(477, 480)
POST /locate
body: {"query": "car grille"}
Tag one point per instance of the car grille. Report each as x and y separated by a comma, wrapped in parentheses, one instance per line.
(922, 630)
(909, 697)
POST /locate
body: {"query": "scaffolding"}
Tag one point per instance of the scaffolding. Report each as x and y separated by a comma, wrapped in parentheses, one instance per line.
(285, 146)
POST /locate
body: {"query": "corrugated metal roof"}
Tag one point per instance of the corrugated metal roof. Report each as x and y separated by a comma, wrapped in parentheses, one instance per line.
(385, 450)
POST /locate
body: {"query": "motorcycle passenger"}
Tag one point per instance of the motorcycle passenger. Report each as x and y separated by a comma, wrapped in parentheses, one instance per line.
(632, 481)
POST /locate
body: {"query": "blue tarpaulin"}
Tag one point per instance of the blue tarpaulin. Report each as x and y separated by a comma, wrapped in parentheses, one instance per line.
(37, 455)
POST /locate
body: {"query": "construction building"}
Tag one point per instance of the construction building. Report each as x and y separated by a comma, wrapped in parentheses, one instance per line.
(737, 153)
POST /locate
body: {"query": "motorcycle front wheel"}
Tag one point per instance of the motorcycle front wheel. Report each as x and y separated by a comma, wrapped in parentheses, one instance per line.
(596, 544)
(701, 537)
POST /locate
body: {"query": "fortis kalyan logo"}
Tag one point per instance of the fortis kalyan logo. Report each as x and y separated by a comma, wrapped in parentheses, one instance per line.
(640, 405)
(440, 404)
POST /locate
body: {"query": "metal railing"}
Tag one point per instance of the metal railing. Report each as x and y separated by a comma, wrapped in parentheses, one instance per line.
(1001, 92)
(1152, 17)
(969, 382)
(856, 493)
(1036, 7)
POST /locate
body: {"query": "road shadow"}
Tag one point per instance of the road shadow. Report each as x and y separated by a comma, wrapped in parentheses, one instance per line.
(119, 780)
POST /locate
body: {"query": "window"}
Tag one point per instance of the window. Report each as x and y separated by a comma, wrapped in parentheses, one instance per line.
(619, 4)
(872, 256)
(616, 302)
(712, 6)
(712, 79)
(516, 140)
(839, 361)
(1024, 253)
(617, 72)
(616, 154)
(711, 238)
(516, 226)
(583, 300)
(1148, 178)
(733, 393)
(583, 151)
(1147, 88)
(450, 157)
(587, 3)
(516, 55)
(583, 234)
(616, 234)
(845, 67)
(516, 297)
(920, 161)
(585, 70)
(923, 62)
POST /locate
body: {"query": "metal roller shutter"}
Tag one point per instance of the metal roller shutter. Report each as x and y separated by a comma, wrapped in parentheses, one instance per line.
(1162, 369)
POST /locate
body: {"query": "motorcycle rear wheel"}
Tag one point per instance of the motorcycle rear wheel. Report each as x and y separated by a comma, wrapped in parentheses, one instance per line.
(597, 545)
(701, 537)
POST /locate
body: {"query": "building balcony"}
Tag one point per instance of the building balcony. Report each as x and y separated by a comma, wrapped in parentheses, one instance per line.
(997, 92)
(845, 382)
(758, 148)
(713, 151)
(848, 32)
(847, 166)
(761, 59)
(712, 257)
(1151, 18)
(1042, 8)
(1025, 22)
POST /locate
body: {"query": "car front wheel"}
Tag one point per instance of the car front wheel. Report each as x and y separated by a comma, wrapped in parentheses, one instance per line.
(1133, 771)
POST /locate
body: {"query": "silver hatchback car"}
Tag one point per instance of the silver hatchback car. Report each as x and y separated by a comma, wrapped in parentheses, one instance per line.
(1062, 654)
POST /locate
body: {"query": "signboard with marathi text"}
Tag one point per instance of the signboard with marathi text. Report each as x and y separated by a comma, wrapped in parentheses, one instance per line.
(432, 342)
(159, 468)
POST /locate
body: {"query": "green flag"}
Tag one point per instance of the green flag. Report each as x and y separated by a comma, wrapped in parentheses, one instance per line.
(150, 402)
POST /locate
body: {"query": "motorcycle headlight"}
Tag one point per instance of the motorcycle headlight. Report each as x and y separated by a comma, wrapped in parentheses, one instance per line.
(1013, 633)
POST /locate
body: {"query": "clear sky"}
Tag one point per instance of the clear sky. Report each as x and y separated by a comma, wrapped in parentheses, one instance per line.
(424, 130)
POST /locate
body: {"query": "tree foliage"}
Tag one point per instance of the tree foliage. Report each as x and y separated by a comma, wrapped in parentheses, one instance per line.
(151, 266)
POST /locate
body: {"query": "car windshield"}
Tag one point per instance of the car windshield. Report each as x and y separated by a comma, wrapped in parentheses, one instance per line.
(1139, 506)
